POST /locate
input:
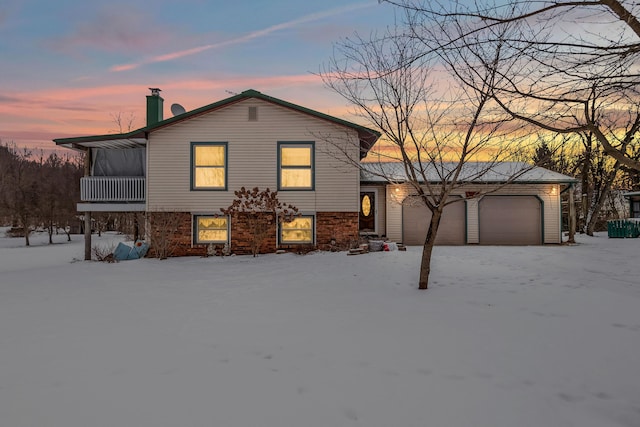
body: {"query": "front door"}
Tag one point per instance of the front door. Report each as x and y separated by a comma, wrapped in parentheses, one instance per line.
(368, 212)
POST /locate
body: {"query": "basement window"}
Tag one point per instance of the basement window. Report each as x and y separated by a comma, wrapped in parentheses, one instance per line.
(298, 231)
(211, 229)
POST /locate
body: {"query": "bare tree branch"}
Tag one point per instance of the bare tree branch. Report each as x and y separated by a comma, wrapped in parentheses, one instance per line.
(555, 62)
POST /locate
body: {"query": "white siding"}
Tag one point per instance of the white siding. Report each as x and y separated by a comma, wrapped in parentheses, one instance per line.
(473, 227)
(395, 195)
(549, 194)
(382, 211)
(252, 159)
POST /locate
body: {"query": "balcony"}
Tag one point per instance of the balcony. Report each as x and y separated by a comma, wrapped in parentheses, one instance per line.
(112, 193)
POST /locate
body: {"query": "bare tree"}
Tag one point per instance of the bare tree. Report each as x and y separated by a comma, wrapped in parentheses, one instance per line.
(597, 171)
(602, 176)
(19, 187)
(446, 134)
(69, 176)
(49, 200)
(38, 191)
(58, 192)
(567, 66)
(163, 229)
(262, 210)
(123, 121)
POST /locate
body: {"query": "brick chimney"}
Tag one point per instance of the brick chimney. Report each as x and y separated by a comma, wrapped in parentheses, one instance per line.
(154, 106)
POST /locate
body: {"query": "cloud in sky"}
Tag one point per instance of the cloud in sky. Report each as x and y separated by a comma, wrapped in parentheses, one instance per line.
(115, 29)
(75, 45)
(56, 98)
(245, 38)
(61, 112)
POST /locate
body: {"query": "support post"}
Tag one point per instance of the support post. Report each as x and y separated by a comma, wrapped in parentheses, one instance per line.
(87, 215)
(87, 236)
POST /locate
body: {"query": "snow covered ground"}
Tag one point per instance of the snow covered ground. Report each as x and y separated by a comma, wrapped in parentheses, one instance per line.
(505, 336)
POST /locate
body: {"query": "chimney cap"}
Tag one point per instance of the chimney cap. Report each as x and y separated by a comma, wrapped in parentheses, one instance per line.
(155, 91)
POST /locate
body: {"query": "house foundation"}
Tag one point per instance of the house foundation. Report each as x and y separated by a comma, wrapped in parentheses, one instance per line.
(171, 233)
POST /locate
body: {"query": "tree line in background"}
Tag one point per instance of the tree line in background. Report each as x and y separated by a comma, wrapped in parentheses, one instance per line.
(602, 179)
(38, 191)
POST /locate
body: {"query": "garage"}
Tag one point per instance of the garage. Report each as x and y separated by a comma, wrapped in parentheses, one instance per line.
(510, 220)
(415, 222)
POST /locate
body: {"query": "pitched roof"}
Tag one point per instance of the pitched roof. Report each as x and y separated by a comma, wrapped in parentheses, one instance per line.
(367, 136)
(476, 172)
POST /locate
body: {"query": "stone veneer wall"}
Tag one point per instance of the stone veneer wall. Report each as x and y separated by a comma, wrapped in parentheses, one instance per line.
(339, 226)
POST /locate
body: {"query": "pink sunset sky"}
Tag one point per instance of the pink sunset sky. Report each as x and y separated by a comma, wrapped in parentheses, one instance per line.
(68, 67)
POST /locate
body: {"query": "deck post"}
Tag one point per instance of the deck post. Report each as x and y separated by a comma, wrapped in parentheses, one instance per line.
(87, 236)
(87, 215)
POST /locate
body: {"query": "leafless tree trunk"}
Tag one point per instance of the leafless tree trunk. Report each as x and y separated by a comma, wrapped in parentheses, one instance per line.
(600, 196)
(585, 180)
(427, 249)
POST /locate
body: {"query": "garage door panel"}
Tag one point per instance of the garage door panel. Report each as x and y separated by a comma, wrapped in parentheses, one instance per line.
(510, 220)
(416, 218)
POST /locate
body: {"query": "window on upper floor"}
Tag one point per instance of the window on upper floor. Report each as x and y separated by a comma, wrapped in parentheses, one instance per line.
(635, 209)
(208, 165)
(210, 229)
(298, 231)
(296, 166)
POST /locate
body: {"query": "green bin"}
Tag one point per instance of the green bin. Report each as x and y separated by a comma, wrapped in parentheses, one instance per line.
(620, 228)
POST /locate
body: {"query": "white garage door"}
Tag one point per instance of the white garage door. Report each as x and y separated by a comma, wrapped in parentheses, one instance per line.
(510, 220)
(415, 222)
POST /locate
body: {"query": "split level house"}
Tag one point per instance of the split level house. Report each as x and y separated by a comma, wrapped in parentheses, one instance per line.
(191, 164)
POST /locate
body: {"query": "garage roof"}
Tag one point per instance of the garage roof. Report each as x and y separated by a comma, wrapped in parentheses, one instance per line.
(477, 172)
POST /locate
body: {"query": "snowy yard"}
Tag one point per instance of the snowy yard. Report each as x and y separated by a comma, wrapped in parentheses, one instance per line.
(506, 337)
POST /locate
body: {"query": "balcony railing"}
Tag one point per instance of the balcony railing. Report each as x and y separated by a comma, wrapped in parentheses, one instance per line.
(112, 189)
